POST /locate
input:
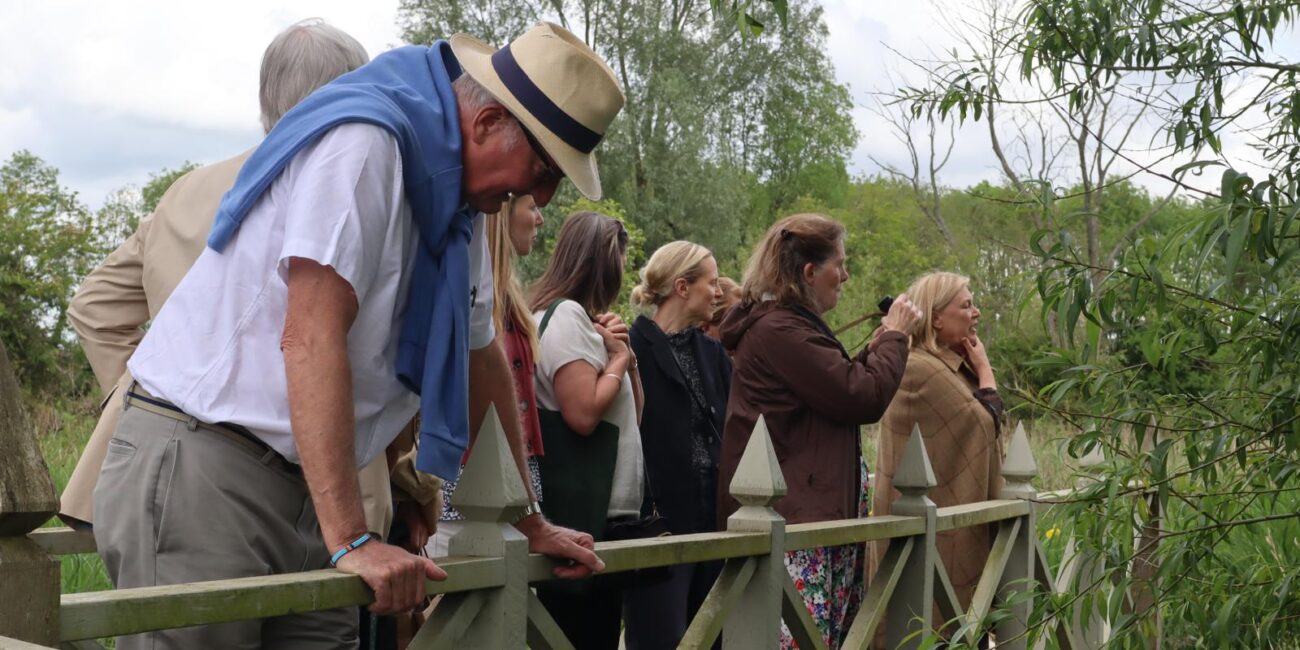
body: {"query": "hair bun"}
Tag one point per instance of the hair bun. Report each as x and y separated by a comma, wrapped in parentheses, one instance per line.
(642, 296)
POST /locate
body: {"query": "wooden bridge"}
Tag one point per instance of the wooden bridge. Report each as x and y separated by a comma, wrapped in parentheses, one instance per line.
(487, 602)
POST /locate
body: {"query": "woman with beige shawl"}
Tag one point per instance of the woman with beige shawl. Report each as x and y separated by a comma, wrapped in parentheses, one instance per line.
(949, 391)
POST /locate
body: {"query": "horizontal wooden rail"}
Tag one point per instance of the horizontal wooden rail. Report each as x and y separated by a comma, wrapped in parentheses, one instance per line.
(143, 609)
(130, 611)
(850, 531)
(63, 541)
(662, 551)
(679, 550)
(975, 514)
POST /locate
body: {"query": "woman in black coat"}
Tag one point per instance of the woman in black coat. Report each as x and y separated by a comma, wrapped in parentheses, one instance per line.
(686, 377)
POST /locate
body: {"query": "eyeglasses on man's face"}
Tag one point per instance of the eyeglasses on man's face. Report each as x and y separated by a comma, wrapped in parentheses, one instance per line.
(553, 170)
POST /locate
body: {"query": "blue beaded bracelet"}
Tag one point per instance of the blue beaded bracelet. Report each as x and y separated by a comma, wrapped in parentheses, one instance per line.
(338, 555)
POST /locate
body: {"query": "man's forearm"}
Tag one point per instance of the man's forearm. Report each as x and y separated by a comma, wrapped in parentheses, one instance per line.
(490, 382)
(319, 377)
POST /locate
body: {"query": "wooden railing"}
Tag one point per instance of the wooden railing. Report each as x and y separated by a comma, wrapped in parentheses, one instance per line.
(487, 602)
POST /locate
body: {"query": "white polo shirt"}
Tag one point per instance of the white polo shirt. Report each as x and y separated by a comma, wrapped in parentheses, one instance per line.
(214, 348)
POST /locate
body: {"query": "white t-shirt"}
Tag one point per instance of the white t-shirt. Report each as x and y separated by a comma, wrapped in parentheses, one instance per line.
(214, 349)
(570, 336)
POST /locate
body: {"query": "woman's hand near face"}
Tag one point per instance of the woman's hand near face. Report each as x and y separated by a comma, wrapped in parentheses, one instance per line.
(902, 317)
(978, 357)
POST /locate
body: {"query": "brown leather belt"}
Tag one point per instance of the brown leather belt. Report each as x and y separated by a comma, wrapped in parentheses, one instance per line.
(138, 397)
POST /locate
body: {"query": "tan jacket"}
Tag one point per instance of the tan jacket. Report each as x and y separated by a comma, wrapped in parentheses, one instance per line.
(938, 394)
(117, 299)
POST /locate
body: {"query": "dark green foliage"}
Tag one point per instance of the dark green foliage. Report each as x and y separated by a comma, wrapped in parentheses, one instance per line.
(1177, 355)
(713, 120)
(47, 243)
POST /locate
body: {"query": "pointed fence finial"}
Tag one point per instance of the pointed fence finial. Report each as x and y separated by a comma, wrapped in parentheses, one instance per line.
(490, 487)
(914, 474)
(1019, 465)
(758, 480)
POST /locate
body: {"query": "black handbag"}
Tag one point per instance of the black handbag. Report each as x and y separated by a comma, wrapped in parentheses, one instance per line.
(642, 527)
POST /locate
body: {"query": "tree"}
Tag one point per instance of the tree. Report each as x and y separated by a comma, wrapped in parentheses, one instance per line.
(925, 162)
(125, 206)
(1178, 360)
(47, 243)
(719, 132)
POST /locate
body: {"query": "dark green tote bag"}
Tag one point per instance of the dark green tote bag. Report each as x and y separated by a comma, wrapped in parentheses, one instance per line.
(577, 471)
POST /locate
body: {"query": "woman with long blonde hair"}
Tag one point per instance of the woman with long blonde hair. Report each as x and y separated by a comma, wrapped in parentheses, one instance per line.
(511, 234)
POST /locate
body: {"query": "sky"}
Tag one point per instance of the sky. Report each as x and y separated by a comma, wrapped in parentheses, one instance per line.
(111, 91)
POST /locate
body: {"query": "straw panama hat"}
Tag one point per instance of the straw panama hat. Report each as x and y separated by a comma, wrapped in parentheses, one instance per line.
(559, 89)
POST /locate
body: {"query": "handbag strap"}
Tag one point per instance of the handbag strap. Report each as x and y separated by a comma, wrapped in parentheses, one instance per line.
(546, 318)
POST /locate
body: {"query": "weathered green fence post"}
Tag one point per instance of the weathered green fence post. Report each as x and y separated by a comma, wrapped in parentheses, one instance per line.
(1016, 588)
(911, 611)
(757, 485)
(490, 493)
(29, 578)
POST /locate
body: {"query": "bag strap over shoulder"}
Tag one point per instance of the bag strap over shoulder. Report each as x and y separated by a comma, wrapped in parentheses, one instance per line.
(546, 318)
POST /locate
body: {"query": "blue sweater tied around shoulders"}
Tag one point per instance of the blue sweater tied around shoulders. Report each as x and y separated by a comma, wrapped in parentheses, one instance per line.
(406, 91)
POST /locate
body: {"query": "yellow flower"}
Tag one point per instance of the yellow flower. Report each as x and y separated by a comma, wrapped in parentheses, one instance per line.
(1052, 533)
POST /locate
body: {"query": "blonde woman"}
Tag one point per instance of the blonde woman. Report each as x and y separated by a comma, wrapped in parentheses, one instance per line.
(686, 377)
(511, 233)
(949, 390)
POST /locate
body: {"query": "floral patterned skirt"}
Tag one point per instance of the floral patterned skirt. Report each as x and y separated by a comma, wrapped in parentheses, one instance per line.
(449, 511)
(831, 581)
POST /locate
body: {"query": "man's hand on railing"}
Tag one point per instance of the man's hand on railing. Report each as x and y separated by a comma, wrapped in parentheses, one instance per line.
(396, 576)
(563, 544)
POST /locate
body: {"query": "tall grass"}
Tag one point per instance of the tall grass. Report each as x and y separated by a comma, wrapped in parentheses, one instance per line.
(62, 430)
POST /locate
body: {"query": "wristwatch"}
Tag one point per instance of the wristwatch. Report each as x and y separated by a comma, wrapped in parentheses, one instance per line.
(533, 508)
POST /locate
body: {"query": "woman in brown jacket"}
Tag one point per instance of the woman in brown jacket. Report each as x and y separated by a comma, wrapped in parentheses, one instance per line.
(790, 368)
(949, 392)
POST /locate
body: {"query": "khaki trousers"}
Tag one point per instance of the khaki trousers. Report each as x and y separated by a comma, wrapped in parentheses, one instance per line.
(177, 504)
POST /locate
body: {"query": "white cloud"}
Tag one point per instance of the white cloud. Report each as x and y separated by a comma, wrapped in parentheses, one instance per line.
(111, 91)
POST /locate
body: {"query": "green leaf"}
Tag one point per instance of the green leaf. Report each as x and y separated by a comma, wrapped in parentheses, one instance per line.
(1158, 279)
(1237, 243)
(1228, 185)
(1036, 239)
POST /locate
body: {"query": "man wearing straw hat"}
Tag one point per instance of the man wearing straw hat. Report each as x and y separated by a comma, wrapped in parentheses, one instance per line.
(342, 292)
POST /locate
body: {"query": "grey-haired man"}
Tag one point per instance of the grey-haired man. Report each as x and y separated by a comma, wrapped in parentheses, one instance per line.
(342, 259)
